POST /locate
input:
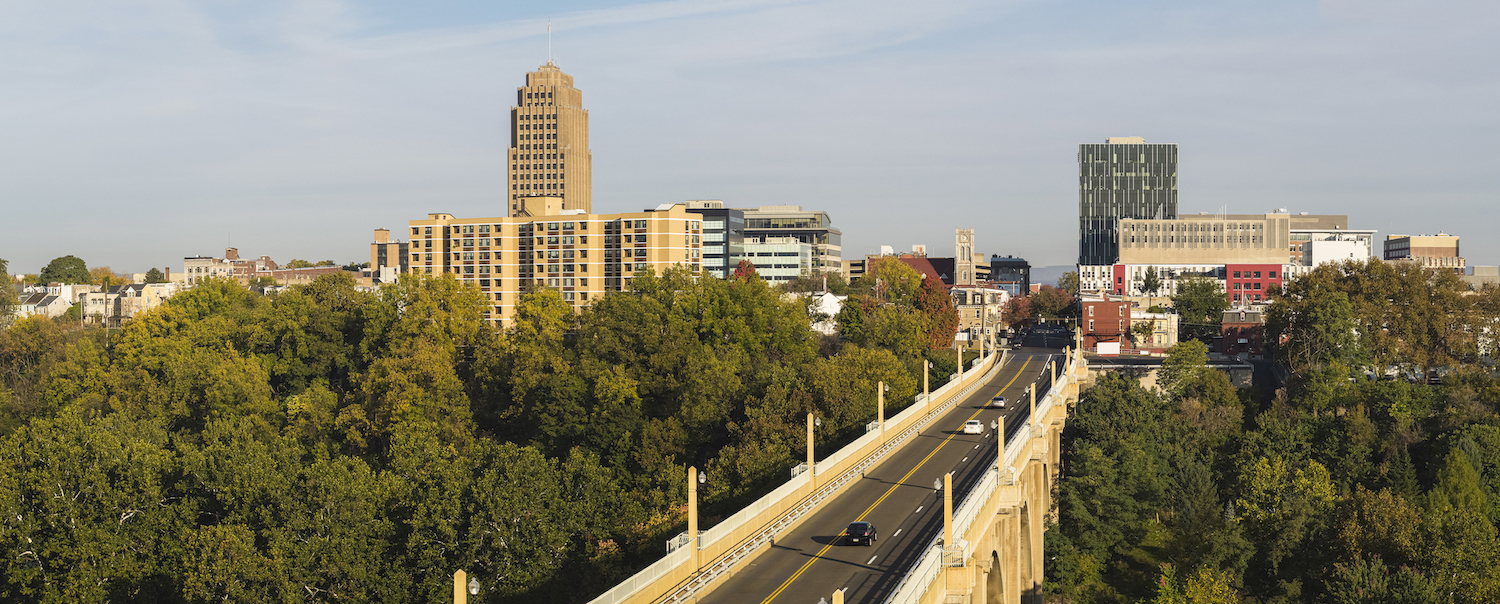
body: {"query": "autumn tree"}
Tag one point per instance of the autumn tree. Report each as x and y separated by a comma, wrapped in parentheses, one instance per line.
(941, 314)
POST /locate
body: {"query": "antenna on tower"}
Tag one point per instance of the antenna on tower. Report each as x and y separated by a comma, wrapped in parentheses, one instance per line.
(549, 40)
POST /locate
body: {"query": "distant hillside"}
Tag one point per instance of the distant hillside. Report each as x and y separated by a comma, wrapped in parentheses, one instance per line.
(1048, 275)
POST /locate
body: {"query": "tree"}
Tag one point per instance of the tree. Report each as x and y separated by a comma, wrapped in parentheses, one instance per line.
(1151, 282)
(326, 263)
(942, 317)
(1068, 282)
(299, 263)
(1185, 364)
(155, 276)
(1201, 304)
(1141, 332)
(66, 270)
(8, 299)
(1050, 302)
(106, 278)
(1317, 329)
(891, 280)
(744, 270)
(1018, 312)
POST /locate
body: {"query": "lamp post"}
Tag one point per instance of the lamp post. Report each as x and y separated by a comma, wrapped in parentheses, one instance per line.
(693, 480)
(926, 392)
(880, 390)
(811, 468)
(461, 589)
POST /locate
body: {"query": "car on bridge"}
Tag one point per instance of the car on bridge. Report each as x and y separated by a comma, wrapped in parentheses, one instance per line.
(998, 402)
(860, 532)
(973, 427)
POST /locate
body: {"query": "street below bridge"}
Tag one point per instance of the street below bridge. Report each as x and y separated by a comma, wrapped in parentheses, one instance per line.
(811, 562)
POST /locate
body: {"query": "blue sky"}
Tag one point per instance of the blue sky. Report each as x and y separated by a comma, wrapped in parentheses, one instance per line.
(137, 133)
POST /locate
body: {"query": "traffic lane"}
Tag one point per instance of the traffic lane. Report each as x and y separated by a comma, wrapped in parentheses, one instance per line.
(978, 455)
(815, 537)
(760, 577)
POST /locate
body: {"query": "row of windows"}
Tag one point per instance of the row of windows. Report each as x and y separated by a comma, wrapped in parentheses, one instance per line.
(609, 227)
(1249, 273)
(531, 156)
(558, 166)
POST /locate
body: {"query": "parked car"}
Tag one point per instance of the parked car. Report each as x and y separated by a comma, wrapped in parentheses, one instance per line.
(860, 532)
(998, 402)
(973, 427)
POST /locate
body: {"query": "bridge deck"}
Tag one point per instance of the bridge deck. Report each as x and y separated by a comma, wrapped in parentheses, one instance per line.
(810, 562)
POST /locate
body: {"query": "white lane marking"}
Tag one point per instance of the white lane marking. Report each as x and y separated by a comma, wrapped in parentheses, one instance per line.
(976, 446)
(898, 532)
(872, 559)
(919, 510)
(963, 460)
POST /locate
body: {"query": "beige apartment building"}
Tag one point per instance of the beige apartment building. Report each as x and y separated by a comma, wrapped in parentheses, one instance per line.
(549, 142)
(1437, 252)
(581, 255)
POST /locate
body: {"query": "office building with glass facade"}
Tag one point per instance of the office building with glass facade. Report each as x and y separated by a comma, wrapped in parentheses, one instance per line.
(723, 236)
(1123, 178)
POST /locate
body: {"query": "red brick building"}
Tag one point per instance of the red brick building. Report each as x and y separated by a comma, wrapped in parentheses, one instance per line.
(1104, 320)
(1247, 284)
(1244, 332)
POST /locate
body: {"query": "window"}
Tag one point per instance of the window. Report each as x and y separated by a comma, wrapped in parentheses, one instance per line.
(427, 231)
(552, 226)
(552, 240)
(567, 253)
(640, 224)
(640, 238)
(1273, 274)
(1236, 274)
(1257, 276)
(484, 228)
(567, 226)
(567, 240)
(1091, 312)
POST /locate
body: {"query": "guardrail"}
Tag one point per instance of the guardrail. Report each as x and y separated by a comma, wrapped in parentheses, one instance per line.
(924, 573)
(742, 534)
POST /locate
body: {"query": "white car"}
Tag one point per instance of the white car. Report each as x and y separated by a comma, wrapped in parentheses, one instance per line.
(973, 427)
(998, 402)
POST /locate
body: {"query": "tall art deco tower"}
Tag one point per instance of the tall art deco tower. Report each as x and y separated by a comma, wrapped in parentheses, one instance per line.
(549, 141)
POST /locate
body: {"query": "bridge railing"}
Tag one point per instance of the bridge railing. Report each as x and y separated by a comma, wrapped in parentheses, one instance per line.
(784, 506)
(925, 573)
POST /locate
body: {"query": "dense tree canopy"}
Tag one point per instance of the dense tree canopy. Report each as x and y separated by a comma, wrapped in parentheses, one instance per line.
(1344, 486)
(334, 444)
(65, 269)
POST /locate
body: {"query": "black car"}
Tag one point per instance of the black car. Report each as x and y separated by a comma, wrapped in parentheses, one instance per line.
(860, 532)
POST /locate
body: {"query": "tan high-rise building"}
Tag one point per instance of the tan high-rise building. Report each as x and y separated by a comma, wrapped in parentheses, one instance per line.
(549, 142)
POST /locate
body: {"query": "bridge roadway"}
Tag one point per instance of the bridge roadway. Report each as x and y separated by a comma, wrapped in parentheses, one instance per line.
(810, 562)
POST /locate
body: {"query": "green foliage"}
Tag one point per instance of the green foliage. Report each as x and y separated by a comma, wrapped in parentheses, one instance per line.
(8, 297)
(65, 269)
(330, 443)
(1201, 304)
(1151, 282)
(1050, 303)
(155, 276)
(1337, 489)
(1068, 282)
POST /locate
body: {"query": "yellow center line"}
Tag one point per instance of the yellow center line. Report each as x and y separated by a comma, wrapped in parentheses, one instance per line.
(888, 492)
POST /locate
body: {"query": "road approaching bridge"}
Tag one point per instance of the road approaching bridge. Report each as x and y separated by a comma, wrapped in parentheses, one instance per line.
(811, 561)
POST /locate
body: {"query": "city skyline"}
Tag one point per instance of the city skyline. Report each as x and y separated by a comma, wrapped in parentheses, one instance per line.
(293, 130)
